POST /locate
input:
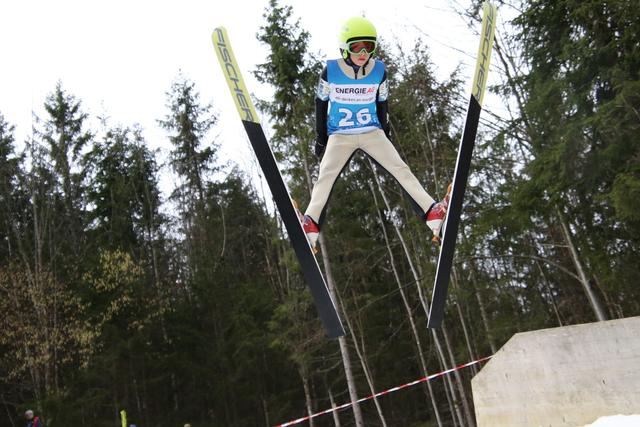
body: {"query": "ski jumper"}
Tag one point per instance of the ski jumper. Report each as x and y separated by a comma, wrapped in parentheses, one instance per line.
(357, 120)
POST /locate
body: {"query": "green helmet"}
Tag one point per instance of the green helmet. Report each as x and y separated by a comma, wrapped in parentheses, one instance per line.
(357, 28)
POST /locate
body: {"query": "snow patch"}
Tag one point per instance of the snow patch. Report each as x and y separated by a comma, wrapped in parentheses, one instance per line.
(617, 421)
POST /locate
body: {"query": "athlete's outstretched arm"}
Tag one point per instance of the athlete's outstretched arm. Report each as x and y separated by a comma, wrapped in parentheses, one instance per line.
(382, 105)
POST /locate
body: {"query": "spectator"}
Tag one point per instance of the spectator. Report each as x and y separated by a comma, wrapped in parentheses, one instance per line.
(31, 420)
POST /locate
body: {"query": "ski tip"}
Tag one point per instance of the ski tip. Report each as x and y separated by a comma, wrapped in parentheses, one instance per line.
(219, 35)
(231, 71)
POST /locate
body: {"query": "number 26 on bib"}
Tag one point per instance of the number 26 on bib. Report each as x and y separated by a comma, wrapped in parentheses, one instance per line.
(362, 117)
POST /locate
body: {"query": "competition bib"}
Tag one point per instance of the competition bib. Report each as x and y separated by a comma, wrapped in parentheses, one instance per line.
(352, 107)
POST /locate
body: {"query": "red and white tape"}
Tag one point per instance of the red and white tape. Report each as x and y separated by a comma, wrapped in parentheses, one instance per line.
(391, 390)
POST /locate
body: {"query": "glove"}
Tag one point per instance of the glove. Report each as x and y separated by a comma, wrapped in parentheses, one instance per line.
(321, 145)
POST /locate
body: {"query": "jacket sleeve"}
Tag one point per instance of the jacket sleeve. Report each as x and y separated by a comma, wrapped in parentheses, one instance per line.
(382, 105)
(322, 105)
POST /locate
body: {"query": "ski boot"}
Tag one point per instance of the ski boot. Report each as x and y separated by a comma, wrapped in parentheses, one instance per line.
(310, 227)
(312, 231)
(436, 215)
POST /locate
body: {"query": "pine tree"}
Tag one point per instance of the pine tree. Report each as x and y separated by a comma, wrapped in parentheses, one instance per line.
(124, 191)
(582, 103)
(13, 199)
(66, 137)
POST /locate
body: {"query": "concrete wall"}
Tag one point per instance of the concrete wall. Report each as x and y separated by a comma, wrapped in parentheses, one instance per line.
(568, 376)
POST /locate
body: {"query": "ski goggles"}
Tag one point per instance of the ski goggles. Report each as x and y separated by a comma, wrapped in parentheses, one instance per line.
(358, 46)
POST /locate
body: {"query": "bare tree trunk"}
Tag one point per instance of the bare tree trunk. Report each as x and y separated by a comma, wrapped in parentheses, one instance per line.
(483, 313)
(136, 392)
(455, 280)
(609, 304)
(361, 352)
(448, 390)
(344, 349)
(265, 411)
(414, 329)
(550, 292)
(336, 418)
(463, 394)
(307, 393)
(452, 398)
(596, 305)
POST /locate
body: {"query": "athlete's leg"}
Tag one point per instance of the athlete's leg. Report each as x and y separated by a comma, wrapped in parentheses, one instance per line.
(378, 146)
(339, 150)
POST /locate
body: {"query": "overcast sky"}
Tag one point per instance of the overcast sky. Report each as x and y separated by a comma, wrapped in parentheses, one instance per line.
(119, 57)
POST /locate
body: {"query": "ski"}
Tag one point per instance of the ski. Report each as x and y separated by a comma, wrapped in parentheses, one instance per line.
(461, 173)
(310, 268)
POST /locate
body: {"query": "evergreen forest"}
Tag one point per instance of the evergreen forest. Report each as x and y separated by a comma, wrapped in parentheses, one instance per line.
(189, 306)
